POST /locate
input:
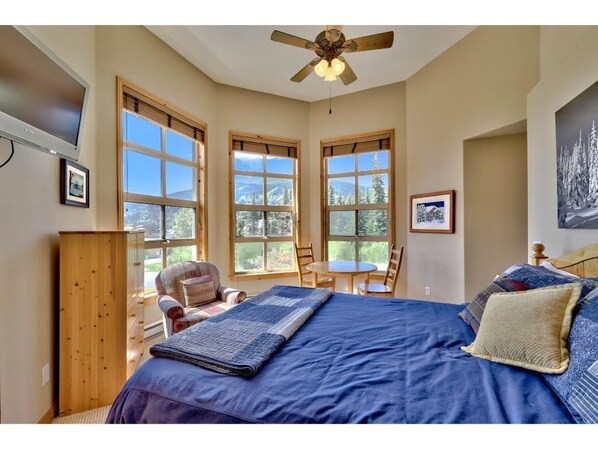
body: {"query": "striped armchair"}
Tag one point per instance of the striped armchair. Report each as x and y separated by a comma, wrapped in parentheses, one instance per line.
(171, 299)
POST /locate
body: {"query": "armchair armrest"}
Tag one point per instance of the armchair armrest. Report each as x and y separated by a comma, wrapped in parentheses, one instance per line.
(230, 295)
(170, 307)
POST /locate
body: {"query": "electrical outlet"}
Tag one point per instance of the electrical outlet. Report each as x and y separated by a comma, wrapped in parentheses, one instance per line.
(427, 291)
(45, 374)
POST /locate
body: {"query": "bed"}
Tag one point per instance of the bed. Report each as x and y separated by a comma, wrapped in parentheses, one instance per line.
(362, 359)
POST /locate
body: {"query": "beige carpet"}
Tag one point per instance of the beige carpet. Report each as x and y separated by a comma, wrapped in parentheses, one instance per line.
(98, 415)
(95, 416)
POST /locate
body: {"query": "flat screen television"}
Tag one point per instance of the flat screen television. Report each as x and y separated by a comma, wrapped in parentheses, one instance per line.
(42, 101)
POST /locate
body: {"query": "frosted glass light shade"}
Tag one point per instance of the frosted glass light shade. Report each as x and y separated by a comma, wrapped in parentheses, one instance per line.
(321, 67)
(330, 76)
(338, 66)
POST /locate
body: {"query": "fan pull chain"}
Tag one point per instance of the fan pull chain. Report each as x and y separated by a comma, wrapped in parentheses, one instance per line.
(330, 100)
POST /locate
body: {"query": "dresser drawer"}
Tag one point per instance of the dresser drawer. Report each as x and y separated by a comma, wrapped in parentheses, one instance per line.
(134, 314)
(134, 336)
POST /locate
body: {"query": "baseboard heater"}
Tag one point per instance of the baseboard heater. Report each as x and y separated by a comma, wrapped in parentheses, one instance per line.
(152, 329)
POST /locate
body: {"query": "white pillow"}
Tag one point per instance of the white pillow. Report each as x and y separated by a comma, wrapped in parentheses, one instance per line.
(551, 267)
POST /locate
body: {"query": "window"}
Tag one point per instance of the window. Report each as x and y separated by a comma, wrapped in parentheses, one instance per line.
(264, 204)
(162, 177)
(357, 213)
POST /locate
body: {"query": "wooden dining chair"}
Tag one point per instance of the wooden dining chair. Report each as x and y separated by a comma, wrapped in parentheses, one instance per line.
(304, 256)
(387, 287)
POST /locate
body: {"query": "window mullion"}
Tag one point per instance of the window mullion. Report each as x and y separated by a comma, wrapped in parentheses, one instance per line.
(163, 224)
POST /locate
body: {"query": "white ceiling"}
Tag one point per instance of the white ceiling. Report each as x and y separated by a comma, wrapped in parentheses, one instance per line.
(245, 56)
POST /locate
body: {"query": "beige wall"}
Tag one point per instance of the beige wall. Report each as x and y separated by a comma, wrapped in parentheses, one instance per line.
(31, 216)
(495, 207)
(573, 68)
(478, 85)
(361, 112)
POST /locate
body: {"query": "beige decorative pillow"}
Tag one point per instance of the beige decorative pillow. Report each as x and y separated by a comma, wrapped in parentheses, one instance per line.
(528, 329)
(199, 290)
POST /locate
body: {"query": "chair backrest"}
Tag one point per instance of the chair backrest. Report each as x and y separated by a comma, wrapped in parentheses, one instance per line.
(394, 266)
(168, 280)
(304, 255)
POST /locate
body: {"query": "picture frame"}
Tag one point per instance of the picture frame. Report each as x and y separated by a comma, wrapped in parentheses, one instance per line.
(74, 184)
(577, 161)
(432, 212)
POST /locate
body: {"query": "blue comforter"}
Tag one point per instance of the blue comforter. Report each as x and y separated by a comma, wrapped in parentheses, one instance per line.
(357, 360)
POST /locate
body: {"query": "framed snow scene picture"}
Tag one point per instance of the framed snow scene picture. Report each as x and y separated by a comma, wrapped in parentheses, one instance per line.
(433, 212)
(577, 161)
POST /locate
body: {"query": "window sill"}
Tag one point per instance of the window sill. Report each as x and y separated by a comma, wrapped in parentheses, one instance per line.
(260, 276)
(150, 297)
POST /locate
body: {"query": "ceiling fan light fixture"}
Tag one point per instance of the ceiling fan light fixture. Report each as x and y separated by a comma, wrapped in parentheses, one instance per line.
(321, 68)
(338, 66)
(330, 75)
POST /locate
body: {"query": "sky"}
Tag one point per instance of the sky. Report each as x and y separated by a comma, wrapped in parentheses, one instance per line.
(143, 172)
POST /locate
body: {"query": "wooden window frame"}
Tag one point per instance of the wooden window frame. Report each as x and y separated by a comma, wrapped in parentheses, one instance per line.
(232, 207)
(324, 177)
(200, 164)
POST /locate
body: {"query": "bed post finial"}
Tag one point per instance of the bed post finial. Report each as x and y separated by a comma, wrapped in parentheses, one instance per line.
(538, 256)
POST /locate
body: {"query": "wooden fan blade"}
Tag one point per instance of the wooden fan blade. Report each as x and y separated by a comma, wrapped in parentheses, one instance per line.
(348, 75)
(289, 39)
(372, 42)
(333, 32)
(302, 74)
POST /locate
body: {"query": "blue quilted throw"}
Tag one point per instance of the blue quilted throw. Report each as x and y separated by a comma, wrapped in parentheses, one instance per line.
(241, 340)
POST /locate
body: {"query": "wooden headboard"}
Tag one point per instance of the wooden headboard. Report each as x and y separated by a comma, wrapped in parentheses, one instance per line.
(583, 262)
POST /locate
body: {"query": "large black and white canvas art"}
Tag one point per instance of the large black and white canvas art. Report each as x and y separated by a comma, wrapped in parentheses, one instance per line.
(577, 161)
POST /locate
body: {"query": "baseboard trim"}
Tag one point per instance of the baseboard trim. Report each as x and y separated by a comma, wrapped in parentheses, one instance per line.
(49, 415)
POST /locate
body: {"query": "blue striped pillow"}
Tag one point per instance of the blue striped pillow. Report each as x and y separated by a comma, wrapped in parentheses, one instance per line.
(584, 397)
(578, 386)
(538, 277)
(474, 311)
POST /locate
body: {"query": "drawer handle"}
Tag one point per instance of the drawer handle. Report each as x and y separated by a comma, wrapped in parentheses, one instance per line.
(132, 315)
(140, 321)
(133, 337)
(140, 301)
(137, 264)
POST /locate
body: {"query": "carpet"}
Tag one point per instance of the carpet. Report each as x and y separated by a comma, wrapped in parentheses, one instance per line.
(95, 416)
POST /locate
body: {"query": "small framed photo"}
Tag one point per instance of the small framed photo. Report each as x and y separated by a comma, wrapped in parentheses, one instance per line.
(433, 212)
(74, 184)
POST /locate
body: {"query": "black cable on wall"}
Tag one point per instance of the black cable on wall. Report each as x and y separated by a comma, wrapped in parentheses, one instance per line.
(12, 145)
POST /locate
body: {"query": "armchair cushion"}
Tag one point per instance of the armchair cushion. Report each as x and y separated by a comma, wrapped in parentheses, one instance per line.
(199, 290)
(194, 315)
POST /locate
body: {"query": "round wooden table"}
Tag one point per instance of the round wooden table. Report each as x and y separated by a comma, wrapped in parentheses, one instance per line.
(346, 268)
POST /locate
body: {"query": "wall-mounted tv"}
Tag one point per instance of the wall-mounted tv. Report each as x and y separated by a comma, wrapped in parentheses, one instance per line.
(42, 101)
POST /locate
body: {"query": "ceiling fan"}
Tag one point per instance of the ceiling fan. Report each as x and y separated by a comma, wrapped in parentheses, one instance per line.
(329, 45)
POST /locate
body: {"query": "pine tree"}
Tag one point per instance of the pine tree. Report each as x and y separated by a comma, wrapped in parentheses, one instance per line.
(421, 213)
(579, 193)
(183, 223)
(331, 195)
(379, 225)
(240, 225)
(286, 197)
(593, 166)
